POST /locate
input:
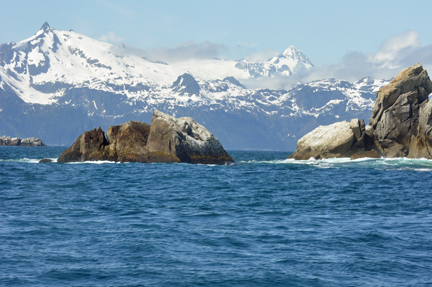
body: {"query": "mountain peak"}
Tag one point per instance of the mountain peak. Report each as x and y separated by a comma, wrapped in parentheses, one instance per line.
(292, 54)
(291, 51)
(45, 27)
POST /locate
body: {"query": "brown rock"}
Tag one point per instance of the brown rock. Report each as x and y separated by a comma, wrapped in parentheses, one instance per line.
(127, 142)
(365, 154)
(88, 147)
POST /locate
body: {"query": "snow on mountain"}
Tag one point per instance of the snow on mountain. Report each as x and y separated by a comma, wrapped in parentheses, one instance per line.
(286, 64)
(62, 76)
(65, 57)
(290, 61)
(50, 57)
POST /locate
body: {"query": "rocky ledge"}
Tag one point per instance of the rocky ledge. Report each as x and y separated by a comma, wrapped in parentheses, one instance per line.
(400, 125)
(10, 141)
(167, 139)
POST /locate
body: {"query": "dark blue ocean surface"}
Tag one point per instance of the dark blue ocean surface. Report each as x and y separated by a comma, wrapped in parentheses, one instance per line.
(263, 221)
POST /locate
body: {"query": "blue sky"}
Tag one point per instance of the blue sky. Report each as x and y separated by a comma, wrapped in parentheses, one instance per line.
(328, 32)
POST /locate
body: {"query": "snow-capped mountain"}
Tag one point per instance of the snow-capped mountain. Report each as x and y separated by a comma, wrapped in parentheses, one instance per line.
(56, 84)
(287, 63)
(36, 67)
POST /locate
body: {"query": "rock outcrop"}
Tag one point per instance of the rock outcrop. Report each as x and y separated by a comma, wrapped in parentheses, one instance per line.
(167, 139)
(400, 125)
(10, 141)
(335, 140)
(183, 140)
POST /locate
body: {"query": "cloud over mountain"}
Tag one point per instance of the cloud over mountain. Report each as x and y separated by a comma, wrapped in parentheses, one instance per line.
(394, 53)
(111, 37)
(184, 51)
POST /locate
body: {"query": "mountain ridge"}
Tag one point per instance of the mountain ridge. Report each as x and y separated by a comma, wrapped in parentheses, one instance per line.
(62, 73)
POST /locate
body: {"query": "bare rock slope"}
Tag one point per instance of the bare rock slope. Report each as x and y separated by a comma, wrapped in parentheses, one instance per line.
(167, 139)
(400, 125)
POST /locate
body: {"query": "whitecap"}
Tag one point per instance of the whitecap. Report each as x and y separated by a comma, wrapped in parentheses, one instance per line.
(93, 162)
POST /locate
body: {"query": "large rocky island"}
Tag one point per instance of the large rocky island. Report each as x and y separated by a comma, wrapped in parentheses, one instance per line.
(400, 125)
(167, 139)
(10, 141)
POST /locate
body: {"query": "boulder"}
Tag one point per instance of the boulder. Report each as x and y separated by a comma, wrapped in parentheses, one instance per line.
(167, 139)
(397, 111)
(90, 146)
(341, 139)
(183, 140)
(128, 142)
(45, 160)
(400, 125)
(421, 145)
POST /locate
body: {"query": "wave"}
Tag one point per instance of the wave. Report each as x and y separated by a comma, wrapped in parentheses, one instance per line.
(420, 165)
(404, 163)
(27, 160)
(95, 162)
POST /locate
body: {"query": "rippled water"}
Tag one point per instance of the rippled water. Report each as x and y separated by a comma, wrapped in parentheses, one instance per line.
(264, 221)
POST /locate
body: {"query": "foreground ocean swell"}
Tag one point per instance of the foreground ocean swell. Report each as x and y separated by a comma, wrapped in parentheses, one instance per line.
(262, 221)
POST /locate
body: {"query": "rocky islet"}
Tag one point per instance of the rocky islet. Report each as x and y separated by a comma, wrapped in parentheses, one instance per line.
(167, 139)
(10, 141)
(400, 125)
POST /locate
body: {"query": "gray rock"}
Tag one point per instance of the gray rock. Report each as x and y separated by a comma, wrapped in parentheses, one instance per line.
(397, 111)
(335, 140)
(183, 140)
(421, 145)
(32, 142)
(10, 141)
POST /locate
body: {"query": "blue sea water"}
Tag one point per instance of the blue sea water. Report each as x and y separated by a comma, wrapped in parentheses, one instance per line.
(263, 221)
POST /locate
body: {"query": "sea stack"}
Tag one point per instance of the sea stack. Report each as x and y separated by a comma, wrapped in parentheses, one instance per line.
(400, 125)
(167, 139)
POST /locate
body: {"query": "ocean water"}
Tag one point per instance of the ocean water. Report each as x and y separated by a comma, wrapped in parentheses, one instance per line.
(263, 221)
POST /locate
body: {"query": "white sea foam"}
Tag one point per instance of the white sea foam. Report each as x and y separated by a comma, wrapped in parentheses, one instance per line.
(421, 164)
(95, 162)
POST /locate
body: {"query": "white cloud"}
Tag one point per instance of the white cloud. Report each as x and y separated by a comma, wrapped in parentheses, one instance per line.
(185, 51)
(262, 56)
(391, 47)
(111, 37)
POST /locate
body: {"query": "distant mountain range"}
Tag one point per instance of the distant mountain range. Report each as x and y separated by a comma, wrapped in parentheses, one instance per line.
(56, 84)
